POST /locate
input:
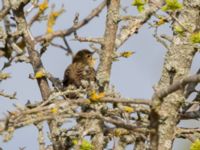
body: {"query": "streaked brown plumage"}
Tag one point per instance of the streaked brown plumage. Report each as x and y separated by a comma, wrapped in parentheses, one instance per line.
(80, 69)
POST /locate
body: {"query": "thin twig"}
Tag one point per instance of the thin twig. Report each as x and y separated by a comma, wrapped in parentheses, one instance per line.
(161, 41)
(59, 46)
(62, 33)
(69, 50)
(10, 96)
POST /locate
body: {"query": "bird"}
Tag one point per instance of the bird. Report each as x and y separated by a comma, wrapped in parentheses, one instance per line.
(81, 69)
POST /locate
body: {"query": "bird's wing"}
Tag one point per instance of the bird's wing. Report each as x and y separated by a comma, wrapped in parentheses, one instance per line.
(66, 76)
(73, 75)
(90, 74)
(77, 72)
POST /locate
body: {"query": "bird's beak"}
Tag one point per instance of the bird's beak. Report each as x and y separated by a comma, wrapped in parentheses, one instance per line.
(93, 60)
(93, 52)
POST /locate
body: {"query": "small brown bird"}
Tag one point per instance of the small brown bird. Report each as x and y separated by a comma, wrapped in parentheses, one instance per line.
(82, 68)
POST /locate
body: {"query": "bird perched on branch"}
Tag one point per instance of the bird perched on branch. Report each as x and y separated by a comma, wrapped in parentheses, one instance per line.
(81, 69)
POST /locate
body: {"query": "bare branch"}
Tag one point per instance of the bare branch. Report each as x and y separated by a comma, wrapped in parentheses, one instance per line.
(59, 46)
(191, 115)
(5, 9)
(10, 96)
(93, 40)
(40, 136)
(35, 61)
(180, 84)
(69, 50)
(191, 87)
(123, 100)
(18, 119)
(108, 48)
(118, 123)
(169, 98)
(62, 33)
(161, 41)
(135, 24)
(187, 130)
(168, 38)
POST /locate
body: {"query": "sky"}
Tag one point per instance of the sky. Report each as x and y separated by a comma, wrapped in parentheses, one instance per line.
(133, 77)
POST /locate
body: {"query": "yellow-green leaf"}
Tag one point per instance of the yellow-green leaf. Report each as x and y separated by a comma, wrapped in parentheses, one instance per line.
(127, 54)
(94, 96)
(52, 19)
(75, 141)
(120, 131)
(195, 145)
(128, 109)
(172, 5)
(86, 145)
(140, 8)
(195, 37)
(178, 29)
(161, 21)
(43, 6)
(54, 110)
(139, 4)
(40, 74)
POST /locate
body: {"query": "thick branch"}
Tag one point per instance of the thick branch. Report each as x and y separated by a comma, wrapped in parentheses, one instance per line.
(33, 54)
(108, 48)
(169, 97)
(180, 84)
(35, 61)
(125, 100)
(40, 136)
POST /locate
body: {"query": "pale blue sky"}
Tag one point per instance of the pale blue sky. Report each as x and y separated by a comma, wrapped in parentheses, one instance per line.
(132, 77)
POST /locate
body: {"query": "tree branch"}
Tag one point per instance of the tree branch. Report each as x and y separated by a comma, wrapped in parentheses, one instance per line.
(40, 136)
(135, 24)
(108, 48)
(62, 33)
(10, 96)
(180, 84)
(5, 9)
(35, 61)
(191, 115)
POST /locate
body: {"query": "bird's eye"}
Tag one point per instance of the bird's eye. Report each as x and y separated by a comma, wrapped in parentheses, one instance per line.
(88, 56)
